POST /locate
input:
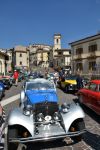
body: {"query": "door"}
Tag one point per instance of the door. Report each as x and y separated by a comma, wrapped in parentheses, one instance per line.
(95, 100)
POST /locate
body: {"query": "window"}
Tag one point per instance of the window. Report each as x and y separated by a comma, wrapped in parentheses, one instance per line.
(79, 51)
(92, 48)
(79, 67)
(57, 41)
(93, 87)
(92, 65)
(59, 53)
(20, 62)
(20, 55)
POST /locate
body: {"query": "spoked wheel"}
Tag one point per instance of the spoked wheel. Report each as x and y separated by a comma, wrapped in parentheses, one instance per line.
(66, 89)
(77, 126)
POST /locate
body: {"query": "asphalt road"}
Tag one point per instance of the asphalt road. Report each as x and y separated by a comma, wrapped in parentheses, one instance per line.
(91, 140)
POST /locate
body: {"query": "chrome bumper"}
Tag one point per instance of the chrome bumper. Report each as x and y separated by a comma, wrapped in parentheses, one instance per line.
(46, 138)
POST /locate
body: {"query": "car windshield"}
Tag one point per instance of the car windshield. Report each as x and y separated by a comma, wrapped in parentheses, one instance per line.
(71, 78)
(52, 75)
(39, 85)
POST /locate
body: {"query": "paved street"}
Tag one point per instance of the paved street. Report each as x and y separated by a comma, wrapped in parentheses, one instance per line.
(91, 140)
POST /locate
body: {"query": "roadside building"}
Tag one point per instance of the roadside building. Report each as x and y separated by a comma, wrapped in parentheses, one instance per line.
(86, 55)
(9, 61)
(39, 55)
(3, 61)
(61, 57)
(20, 57)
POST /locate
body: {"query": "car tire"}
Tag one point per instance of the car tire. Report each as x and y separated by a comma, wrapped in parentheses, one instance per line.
(66, 89)
(12, 133)
(78, 126)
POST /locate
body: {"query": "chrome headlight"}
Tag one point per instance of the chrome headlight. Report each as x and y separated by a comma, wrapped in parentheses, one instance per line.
(40, 117)
(56, 116)
(65, 107)
(27, 110)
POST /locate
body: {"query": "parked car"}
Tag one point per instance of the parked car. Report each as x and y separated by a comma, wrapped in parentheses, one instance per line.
(2, 90)
(90, 95)
(40, 118)
(6, 83)
(68, 83)
(9, 78)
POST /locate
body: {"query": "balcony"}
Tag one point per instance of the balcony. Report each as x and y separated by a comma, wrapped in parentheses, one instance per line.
(77, 57)
(91, 55)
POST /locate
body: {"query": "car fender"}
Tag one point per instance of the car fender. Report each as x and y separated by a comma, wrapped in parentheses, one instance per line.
(22, 96)
(16, 117)
(74, 112)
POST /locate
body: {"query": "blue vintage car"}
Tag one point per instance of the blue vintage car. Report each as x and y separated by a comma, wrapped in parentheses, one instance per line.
(40, 118)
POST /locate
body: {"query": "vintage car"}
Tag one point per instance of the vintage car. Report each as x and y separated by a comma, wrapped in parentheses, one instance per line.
(68, 83)
(6, 82)
(90, 95)
(2, 90)
(40, 118)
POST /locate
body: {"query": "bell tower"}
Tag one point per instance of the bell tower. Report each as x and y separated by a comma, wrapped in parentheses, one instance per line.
(57, 41)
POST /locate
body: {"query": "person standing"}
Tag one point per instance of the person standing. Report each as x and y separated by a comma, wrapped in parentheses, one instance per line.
(79, 81)
(16, 75)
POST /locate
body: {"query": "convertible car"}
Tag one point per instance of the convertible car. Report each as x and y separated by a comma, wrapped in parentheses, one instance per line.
(68, 83)
(40, 118)
(90, 95)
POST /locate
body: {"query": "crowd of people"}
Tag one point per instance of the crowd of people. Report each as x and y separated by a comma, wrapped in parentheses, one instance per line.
(63, 74)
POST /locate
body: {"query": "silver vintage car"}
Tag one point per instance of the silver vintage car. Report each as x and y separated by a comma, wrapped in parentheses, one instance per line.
(40, 118)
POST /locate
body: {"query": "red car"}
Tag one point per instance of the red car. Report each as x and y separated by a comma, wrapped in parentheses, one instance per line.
(90, 95)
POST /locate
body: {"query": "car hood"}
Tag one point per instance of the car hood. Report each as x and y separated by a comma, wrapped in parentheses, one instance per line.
(41, 96)
(70, 81)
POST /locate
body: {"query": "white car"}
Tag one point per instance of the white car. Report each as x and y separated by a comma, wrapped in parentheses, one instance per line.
(40, 118)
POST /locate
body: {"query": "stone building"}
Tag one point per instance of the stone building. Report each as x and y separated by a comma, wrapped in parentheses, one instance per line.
(20, 57)
(3, 61)
(61, 57)
(86, 55)
(9, 61)
(39, 55)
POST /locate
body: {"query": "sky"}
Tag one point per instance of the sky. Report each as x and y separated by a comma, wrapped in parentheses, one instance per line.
(24, 22)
